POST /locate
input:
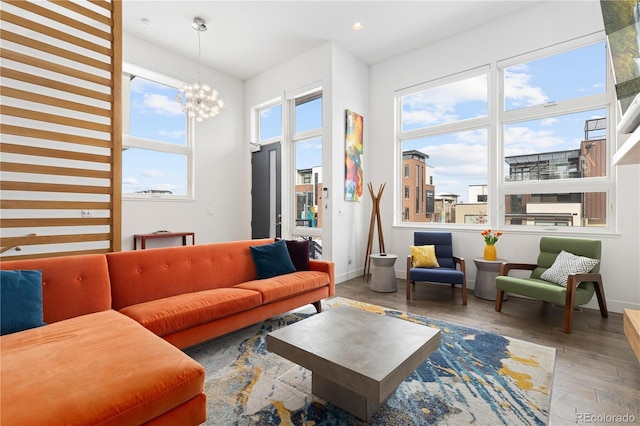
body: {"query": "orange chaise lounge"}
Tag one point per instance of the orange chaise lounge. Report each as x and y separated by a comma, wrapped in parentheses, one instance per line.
(110, 352)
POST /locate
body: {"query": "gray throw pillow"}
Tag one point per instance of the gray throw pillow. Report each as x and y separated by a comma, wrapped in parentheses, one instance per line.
(567, 263)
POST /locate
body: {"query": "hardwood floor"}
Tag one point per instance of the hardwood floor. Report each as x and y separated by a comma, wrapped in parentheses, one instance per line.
(596, 371)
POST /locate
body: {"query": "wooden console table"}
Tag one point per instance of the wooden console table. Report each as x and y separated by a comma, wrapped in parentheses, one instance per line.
(144, 237)
(632, 329)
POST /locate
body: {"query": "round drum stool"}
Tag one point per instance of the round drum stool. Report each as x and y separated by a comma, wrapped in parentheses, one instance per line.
(383, 276)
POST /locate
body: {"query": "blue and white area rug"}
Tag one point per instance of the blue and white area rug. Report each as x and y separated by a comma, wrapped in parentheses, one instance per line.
(476, 377)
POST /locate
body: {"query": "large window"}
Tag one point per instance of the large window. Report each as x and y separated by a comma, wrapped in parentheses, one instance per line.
(157, 149)
(443, 144)
(555, 119)
(537, 156)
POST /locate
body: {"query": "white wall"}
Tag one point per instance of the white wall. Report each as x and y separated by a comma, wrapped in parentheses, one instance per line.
(350, 219)
(344, 80)
(222, 207)
(537, 27)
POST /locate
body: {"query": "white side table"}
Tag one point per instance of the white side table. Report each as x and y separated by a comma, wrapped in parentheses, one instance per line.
(383, 275)
(488, 270)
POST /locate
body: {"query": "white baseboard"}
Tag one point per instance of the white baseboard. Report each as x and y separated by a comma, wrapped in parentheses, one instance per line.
(348, 276)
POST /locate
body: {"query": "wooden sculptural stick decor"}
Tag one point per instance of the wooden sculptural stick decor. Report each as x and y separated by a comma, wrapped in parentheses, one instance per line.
(375, 216)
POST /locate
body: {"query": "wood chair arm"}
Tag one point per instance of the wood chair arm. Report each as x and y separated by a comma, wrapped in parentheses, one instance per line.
(408, 280)
(506, 267)
(460, 261)
(581, 278)
(573, 280)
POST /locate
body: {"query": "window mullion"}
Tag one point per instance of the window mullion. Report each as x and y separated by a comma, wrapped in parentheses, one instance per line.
(135, 142)
(458, 126)
(552, 109)
(308, 134)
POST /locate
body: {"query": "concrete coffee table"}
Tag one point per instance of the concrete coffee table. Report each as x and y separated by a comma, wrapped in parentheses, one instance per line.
(357, 358)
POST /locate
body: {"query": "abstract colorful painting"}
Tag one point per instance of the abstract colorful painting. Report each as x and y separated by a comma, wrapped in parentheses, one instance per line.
(353, 157)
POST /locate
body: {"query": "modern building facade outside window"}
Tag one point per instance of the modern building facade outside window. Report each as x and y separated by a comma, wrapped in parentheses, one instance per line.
(417, 204)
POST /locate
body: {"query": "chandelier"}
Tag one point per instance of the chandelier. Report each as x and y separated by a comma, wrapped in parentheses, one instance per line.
(198, 100)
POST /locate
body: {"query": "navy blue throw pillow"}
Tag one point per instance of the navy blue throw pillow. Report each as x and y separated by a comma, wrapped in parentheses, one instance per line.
(272, 259)
(20, 300)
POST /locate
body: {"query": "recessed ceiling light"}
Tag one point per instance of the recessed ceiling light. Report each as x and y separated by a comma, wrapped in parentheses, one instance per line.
(357, 25)
(146, 21)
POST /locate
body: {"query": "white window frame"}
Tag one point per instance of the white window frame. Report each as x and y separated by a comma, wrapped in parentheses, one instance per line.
(187, 149)
(290, 139)
(606, 100)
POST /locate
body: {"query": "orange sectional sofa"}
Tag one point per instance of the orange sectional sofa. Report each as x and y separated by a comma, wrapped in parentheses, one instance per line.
(110, 352)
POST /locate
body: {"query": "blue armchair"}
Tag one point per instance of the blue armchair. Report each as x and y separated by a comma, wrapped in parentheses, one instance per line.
(446, 273)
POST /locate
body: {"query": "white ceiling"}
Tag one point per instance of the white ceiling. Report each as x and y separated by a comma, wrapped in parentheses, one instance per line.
(245, 38)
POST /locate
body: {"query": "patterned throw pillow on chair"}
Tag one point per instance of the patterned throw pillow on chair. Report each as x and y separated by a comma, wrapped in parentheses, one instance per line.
(567, 263)
(424, 256)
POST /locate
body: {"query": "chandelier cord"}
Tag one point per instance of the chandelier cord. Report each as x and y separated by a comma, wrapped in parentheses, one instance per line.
(198, 63)
(198, 100)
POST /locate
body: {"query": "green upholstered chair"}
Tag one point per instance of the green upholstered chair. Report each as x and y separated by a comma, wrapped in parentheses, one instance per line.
(580, 286)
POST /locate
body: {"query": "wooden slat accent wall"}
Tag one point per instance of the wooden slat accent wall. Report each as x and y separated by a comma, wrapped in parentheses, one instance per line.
(60, 127)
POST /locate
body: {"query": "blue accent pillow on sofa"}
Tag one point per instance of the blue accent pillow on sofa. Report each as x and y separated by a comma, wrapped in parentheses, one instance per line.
(272, 259)
(20, 300)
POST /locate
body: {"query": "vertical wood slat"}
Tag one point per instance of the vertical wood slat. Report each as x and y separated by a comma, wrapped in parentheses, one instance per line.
(116, 151)
(33, 151)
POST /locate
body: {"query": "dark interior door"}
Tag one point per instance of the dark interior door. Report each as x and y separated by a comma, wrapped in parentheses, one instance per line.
(266, 217)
